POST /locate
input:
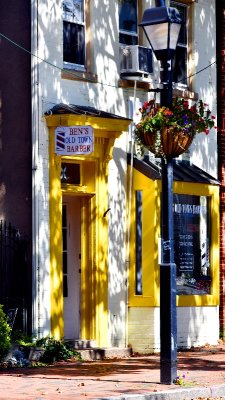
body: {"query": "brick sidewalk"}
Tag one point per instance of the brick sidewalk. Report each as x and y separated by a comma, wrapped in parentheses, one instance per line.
(139, 376)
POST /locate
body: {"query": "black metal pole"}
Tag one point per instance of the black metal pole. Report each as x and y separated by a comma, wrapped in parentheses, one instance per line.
(168, 313)
(166, 81)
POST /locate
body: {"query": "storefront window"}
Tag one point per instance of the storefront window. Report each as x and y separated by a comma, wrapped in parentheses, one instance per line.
(192, 244)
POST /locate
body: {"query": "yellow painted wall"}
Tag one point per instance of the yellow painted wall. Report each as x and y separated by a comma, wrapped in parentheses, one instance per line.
(151, 233)
(55, 215)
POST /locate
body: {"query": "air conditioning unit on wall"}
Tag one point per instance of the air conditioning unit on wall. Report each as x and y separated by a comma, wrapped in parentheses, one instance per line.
(135, 61)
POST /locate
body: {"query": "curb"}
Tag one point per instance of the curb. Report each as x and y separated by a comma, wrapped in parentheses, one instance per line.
(174, 394)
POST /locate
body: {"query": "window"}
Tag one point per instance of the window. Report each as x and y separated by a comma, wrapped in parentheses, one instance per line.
(179, 64)
(192, 244)
(138, 206)
(64, 254)
(70, 173)
(128, 22)
(74, 34)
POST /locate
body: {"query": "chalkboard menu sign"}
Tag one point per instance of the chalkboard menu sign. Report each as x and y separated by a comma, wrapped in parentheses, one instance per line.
(191, 243)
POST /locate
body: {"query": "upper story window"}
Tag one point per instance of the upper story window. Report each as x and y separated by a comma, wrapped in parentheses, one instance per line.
(179, 64)
(74, 34)
(128, 22)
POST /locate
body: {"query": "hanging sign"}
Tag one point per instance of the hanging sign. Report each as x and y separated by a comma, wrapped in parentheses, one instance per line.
(73, 140)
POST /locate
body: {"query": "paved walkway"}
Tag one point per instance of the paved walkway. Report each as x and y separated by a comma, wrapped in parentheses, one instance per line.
(135, 378)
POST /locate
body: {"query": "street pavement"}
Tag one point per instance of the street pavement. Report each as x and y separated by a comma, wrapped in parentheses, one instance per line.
(133, 378)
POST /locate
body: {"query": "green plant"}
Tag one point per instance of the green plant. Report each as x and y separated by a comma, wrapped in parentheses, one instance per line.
(55, 350)
(180, 379)
(18, 337)
(5, 330)
(189, 119)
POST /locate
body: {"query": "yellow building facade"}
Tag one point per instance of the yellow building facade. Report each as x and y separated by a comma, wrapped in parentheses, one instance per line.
(79, 310)
(197, 289)
(79, 235)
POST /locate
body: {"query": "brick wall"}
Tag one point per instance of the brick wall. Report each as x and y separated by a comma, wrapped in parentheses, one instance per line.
(220, 12)
(196, 326)
(15, 128)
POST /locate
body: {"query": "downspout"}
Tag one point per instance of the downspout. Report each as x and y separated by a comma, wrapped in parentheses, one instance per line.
(35, 158)
(130, 147)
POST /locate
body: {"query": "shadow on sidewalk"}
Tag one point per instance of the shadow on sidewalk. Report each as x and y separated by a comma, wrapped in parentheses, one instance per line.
(197, 360)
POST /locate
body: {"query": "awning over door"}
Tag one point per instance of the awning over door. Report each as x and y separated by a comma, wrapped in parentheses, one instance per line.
(183, 170)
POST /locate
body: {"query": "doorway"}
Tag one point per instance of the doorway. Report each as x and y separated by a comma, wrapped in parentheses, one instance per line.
(71, 233)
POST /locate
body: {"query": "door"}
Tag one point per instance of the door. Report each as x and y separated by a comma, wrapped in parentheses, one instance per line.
(71, 229)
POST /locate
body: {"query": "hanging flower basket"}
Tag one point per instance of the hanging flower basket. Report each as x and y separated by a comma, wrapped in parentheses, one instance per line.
(169, 142)
(170, 132)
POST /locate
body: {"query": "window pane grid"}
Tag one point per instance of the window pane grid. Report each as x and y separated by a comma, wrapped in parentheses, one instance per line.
(74, 48)
(74, 43)
(128, 22)
(179, 63)
(73, 10)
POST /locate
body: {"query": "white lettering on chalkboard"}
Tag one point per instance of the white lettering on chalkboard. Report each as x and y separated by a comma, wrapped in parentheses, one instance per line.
(189, 209)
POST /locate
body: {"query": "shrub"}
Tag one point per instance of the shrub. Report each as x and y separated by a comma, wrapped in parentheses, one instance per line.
(56, 350)
(5, 330)
(18, 337)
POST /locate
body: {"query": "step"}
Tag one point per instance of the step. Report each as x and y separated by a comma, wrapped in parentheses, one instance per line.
(100, 353)
(80, 344)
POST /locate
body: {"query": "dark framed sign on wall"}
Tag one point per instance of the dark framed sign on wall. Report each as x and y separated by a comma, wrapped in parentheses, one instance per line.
(192, 244)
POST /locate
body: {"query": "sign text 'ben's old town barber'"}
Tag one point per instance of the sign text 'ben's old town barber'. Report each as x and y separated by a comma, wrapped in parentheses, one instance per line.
(73, 140)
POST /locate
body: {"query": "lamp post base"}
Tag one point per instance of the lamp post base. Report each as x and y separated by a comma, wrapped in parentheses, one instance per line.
(168, 371)
(168, 323)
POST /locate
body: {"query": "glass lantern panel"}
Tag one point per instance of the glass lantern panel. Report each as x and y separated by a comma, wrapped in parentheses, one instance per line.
(174, 34)
(158, 35)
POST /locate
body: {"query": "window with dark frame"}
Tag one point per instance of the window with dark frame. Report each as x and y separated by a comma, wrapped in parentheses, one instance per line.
(128, 22)
(138, 208)
(192, 233)
(74, 53)
(179, 64)
(65, 253)
(70, 173)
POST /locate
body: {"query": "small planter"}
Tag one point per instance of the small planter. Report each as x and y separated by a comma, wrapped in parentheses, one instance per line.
(36, 353)
(168, 142)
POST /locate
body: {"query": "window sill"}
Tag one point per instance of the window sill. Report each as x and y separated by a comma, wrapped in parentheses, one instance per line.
(178, 92)
(128, 83)
(185, 93)
(187, 1)
(79, 76)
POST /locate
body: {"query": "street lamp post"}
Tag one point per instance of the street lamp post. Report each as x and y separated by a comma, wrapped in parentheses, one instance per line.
(162, 26)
